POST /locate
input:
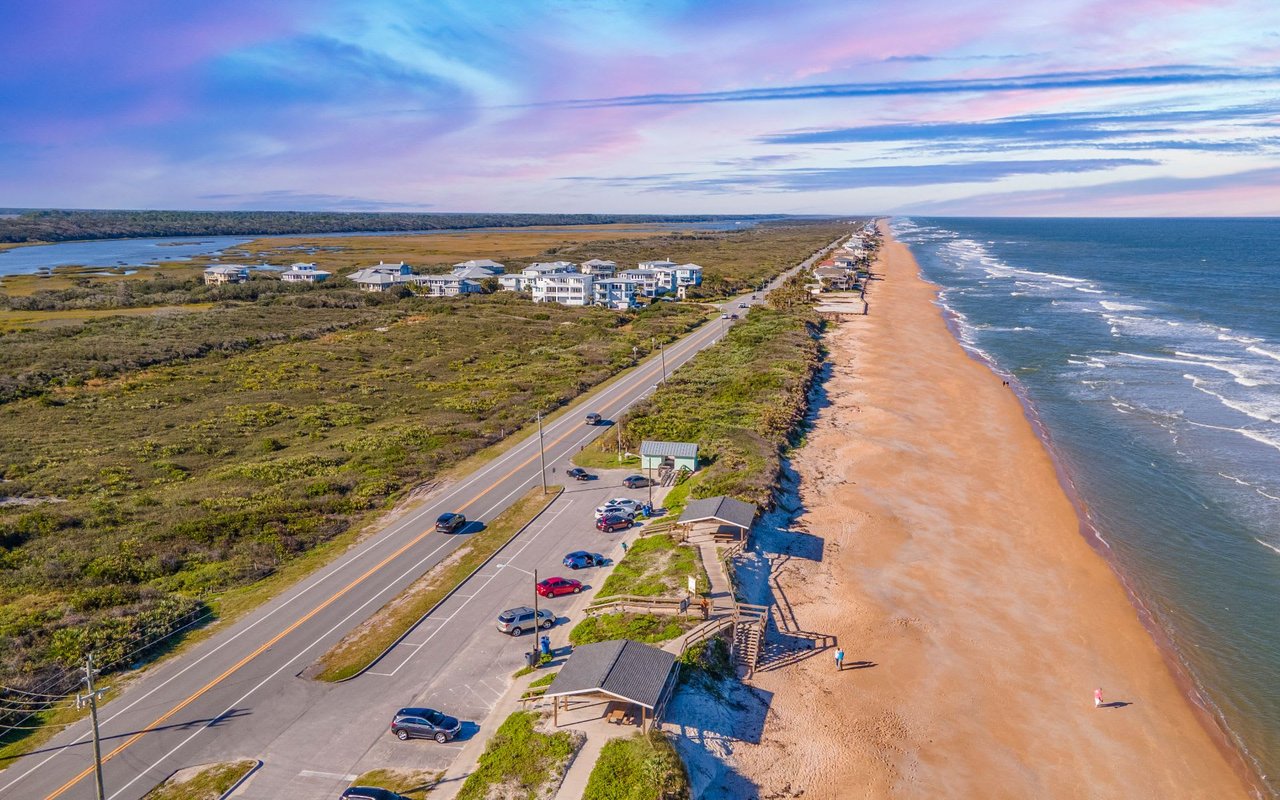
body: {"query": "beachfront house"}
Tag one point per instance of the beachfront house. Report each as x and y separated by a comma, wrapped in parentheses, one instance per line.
(525, 280)
(648, 281)
(382, 278)
(444, 285)
(599, 268)
(616, 293)
(835, 279)
(565, 288)
(304, 273)
(223, 274)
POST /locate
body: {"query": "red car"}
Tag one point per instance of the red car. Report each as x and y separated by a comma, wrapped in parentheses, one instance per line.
(610, 523)
(554, 587)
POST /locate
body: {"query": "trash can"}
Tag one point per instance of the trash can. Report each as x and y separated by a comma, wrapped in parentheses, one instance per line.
(531, 658)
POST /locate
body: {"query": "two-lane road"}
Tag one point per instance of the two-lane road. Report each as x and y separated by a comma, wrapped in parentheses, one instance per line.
(241, 684)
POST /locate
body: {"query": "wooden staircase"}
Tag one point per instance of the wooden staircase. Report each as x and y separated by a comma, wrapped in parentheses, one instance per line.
(748, 636)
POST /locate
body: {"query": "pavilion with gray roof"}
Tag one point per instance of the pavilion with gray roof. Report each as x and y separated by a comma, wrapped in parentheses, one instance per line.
(620, 669)
(722, 512)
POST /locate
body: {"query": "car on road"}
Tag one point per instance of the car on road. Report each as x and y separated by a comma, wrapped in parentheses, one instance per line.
(370, 793)
(614, 522)
(516, 621)
(581, 558)
(733, 316)
(554, 587)
(579, 474)
(593, 419)
(450, 523)
(424, 723)
(743, 305)
(635, 481)
(724, 316)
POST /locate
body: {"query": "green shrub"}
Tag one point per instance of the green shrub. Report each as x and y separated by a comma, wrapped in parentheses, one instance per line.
(648, 628)
(520, 759)
(638, 767)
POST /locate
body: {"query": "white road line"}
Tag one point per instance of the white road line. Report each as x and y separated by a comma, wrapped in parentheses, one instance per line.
(310, 773)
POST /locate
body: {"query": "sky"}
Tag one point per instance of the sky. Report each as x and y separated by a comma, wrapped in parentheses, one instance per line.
(945, 107)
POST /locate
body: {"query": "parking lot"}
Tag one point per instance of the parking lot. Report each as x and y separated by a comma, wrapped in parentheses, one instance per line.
(456, 660)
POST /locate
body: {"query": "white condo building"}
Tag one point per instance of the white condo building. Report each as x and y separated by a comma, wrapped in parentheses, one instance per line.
(565, 288)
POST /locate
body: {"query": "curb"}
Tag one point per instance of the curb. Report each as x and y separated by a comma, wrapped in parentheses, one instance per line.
(447, 595)
(257, 766)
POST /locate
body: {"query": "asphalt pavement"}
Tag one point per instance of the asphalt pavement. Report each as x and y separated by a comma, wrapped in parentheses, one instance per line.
(240, 692)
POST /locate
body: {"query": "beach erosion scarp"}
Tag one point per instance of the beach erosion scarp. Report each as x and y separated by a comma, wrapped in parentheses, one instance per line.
(952, 573)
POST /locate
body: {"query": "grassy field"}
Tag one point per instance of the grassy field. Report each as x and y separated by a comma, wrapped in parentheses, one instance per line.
(650, 628)
(413, 784)
(185, 480)
(638, 767)
(655, 566)
(208, 782)
(519, 761)
(741, 400)
(362, 645)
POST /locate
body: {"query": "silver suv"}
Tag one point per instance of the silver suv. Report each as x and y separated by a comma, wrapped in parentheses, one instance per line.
(516, 621)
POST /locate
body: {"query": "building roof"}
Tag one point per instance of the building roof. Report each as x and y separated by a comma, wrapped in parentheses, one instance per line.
(482, 263)
(673, 449)
(725, 509)
(662, 263)
(553, 266)
(599, 262)
(623, 668)
(475, 273)
(226, 269)
(375, 275)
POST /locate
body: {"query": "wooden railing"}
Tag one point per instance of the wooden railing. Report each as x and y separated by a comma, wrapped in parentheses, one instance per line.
(631, 602)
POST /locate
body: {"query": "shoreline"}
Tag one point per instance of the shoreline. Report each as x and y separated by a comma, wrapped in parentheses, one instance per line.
(1210, 717)
(938, 542)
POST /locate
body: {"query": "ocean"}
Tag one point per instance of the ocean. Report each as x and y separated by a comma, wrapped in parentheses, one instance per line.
(1149, 353)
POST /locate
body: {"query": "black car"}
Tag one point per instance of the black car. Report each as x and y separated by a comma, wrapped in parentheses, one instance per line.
(635, 481)
(370, 793)
(424, 723)
(450, 523)
(579, 474)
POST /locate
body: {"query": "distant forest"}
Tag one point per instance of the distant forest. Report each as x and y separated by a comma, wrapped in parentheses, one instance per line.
(22, 225)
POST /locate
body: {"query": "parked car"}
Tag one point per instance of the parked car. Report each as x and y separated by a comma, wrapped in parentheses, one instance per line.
(424, 723)
(635, 481)
(450, 523)
(613, 522)
(593, 419)
(554, 587)
(609, 509)
(625, 502)
(579, 474)
(733, 316)
(581, 558)
(724, 316)
(516, 621)
(370, 793)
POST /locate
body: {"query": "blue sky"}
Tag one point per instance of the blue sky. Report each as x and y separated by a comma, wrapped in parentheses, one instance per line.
(1079, 107)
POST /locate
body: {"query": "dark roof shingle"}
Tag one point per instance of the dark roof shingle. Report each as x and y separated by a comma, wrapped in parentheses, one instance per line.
(621, 667)
(725, 509)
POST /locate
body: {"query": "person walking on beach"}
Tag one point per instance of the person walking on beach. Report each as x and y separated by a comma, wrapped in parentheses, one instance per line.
(840, 658)
(1097, 698)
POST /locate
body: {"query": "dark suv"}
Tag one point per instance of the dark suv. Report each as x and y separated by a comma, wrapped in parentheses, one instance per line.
(424, 723)
(450, 523)
(370, 793)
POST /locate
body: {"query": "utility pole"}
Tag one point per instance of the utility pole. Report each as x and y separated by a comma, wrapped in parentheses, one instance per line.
(537, 622)
(542, 459)
(92, 699)
(618, 428)
(662, 353)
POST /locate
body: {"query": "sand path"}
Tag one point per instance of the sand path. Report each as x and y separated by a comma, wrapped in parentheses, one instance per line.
(952, 562)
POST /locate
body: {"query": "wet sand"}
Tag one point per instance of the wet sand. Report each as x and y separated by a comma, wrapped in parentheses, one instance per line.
(952, 565)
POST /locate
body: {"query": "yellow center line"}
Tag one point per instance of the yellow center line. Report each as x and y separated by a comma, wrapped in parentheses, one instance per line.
(302, 621)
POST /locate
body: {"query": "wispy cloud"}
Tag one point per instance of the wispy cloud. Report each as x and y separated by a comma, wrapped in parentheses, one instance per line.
(825, 179)
(286, 200)
(1172, 75)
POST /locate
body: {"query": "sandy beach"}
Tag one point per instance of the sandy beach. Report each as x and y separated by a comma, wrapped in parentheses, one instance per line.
(953, 574)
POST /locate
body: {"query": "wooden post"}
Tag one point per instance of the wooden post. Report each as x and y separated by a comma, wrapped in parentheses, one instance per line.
(555, 711)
